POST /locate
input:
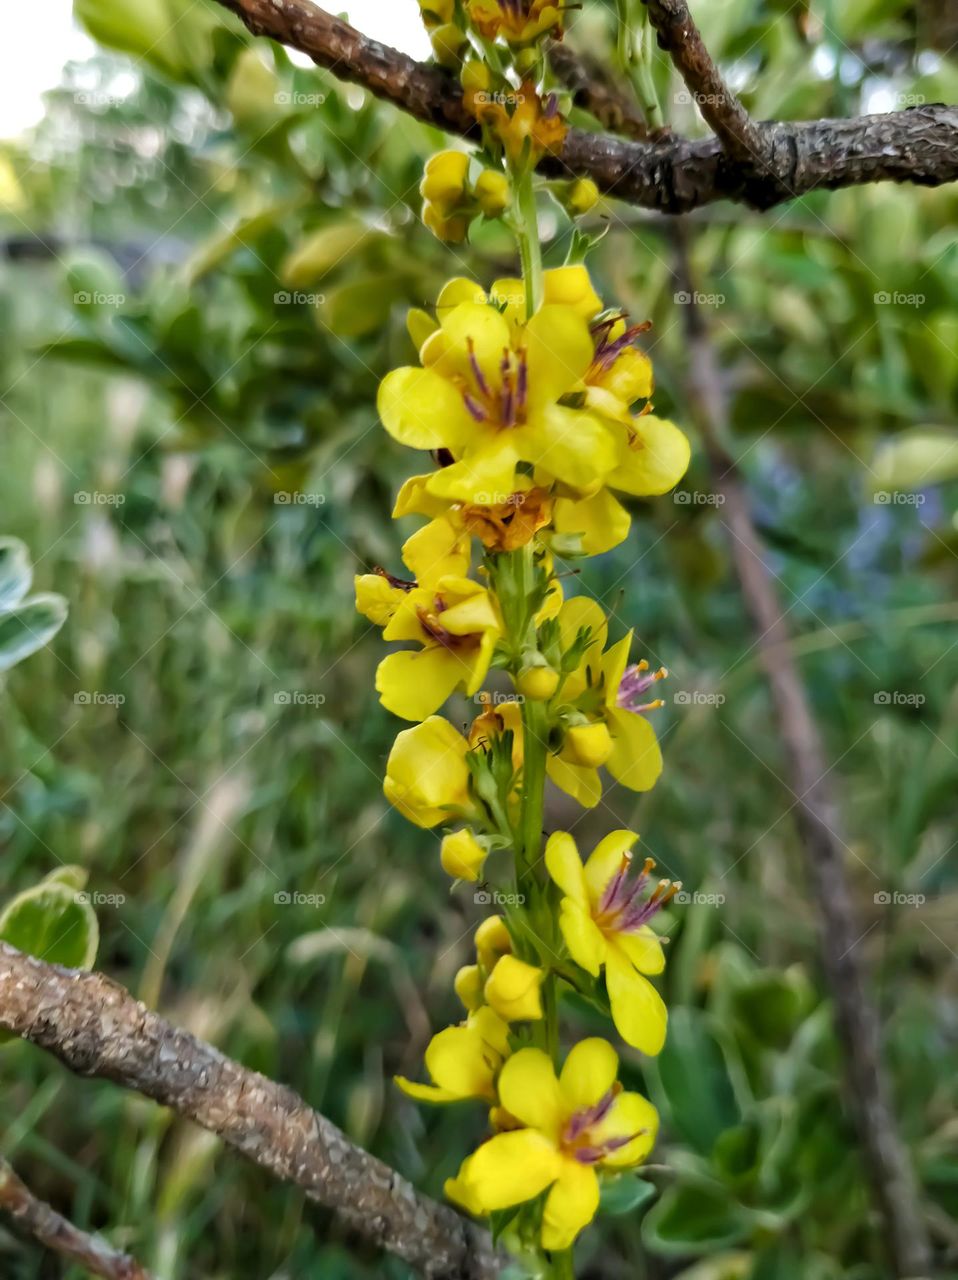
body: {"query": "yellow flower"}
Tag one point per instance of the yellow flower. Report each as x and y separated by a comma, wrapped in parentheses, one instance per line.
(513, 989)
(445, 179)
(526, 124)
(462, 856)
(574, 1127)
(463, 1061)
(440, 549)
(605, 922)
(492, 940)
(499, 525)
(489, 395)
(517, 21)
(427, 778)
(604, 692)
(457, 624)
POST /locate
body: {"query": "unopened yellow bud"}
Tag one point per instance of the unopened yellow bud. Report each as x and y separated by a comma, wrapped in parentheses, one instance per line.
(513, 990)
(451, 230)
(538, 683)
(447, 44)
(588, 744)
(475, 77)
(444, 178)
(582, 197)
(462, 855)
(435, 12)
(492, 941)
(492, 192)
(468, 986)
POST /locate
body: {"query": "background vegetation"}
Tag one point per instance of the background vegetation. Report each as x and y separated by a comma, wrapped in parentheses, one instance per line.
(209, 252)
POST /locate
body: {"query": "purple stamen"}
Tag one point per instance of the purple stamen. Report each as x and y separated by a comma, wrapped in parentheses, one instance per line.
(476, 371)
(476, 409)
(584, 1119)
(635, 681)
(552, 107)
(522, 383)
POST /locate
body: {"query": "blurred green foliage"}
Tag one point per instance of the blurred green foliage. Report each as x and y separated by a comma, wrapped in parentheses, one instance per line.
(209, 254)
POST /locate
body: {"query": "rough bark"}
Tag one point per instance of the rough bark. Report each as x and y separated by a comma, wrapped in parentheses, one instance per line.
(35, 1218)
(96, 1028)
(595, 91)
(817, 819)
(672, 175)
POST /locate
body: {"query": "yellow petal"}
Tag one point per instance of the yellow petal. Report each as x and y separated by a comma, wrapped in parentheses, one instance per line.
(376, 598)
(588, 1073)
(565, 866)
(583, 785)
(469, 608)
(558, 350)
(529, 1090)
(421, 409)
(467, 985)
(614, 662)
(643, 948)
(479, 328)
(486, 476)
(638, 1010)
(437, 549)
(583, 612)
(456, 1062)
(601, 520)
(630, 377)
(589, 745)
(426, 1092)
(459, 290)
(605, 861)
(419, 325)
(654, 460)
(583, 937)
(427, 778)
(630, 1114)
(571, 287)
(514, 989)
(492, 940)
(509, 1169)
(493, 1030)
(636, 759)
(569, 444)
(570, 1205)
(415, 499)
(414, 685)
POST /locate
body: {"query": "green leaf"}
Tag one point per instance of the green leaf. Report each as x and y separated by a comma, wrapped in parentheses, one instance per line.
(918, 457)
(771, 1004)
(323, 250)
(54, 922)
(29, 627)
(16, 572)
(692, 1082)
(625, 1194)
(693, 1218)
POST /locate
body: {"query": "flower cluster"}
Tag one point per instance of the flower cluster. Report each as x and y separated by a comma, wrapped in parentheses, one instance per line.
(531, 406)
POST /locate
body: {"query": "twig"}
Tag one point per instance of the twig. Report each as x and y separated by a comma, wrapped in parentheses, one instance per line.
(36, 1218)
(594, 90)
(720, 107)
(96, 1028)
(816, 815)
(674, 175)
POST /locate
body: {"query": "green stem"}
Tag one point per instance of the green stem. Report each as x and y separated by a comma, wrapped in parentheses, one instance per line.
(562, 1268)
(527, 234)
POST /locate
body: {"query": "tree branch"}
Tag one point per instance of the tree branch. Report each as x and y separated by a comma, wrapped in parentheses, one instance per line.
(817, 817)
(36, 1218)
(594, 90)
(96, 1028)
(720, 108)
(673, 176)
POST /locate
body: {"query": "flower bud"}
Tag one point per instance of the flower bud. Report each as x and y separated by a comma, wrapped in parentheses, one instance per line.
(493, 192)
(462, 855)
(582, 196)
(468, 986)
(475, 77)
(492, 940)
(427, 778)
(537, 681)
(571, 287)
(447, 44)
(436, 12)
(588, 744)
(444, 178)
(513, 990)
(451, 230)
